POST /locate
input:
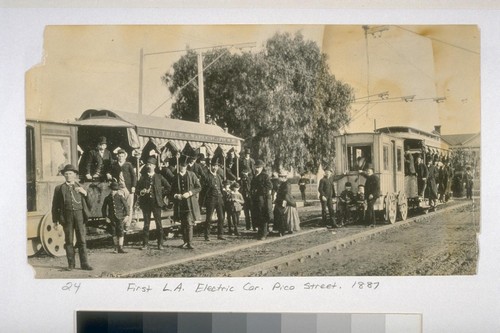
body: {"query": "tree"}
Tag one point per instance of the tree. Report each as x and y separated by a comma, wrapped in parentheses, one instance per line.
(282, 100)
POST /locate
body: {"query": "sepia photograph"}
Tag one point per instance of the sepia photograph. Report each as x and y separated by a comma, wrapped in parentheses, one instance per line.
(181, 151)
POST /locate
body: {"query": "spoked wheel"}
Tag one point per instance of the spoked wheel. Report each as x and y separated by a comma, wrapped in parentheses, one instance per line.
(52, 237)
(34, 245)
(391, 205)
(402, 206)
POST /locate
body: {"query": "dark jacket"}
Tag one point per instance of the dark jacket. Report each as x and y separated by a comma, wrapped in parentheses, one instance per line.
(127, 170)
(58, 203)
(372, 186)
(326, 188)
(160, 187)
(193, 185)
(421, 170)
(97, 165)
(284, 193)
(114, 207)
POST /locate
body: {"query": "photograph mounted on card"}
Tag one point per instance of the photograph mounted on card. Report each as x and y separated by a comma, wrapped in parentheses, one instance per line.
(254, 150)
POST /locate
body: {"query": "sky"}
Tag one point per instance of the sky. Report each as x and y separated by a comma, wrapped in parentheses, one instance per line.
(96, 67)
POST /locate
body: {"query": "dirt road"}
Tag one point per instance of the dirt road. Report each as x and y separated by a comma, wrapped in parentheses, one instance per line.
(437, 243)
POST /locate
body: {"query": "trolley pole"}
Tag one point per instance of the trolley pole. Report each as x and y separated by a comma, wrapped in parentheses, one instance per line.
(201, 90)
(141, 77)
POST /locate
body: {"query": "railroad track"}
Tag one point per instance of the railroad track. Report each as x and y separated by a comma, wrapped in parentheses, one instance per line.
(227, 262)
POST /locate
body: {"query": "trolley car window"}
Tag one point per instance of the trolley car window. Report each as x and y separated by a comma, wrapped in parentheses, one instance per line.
(55, 155)
(399, 153)
(359, 157)
(386, 157)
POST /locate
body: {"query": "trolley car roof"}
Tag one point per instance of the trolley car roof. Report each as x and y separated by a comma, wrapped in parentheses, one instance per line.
(158, 127)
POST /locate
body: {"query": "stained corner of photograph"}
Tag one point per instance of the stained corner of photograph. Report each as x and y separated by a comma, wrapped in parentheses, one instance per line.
(254, 150)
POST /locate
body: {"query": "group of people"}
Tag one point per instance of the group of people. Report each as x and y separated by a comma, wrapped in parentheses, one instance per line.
(434, 178)
(362, 202)
(191, 185)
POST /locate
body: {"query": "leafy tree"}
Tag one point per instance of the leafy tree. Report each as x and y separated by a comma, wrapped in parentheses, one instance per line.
(283, 100)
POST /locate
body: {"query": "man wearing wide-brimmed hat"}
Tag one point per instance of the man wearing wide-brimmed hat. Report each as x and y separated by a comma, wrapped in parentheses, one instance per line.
(99, 162)
(70, 209)
(262, 206)
(152, 187)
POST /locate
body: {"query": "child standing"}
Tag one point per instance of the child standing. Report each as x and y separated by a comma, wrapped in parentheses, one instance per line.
(226, 196)
(346, 200)
(360, 203)
(115, 210)
(237, 202)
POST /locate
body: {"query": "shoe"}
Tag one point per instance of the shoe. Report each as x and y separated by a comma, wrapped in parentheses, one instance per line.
(115, 250)
(221, 238)
(183, 246)
(144, 247)
(207, 239)
(160, 247)
(372, 225)
(120, 250)
(236, 233)
(87, 268)
(189, 247)
(68, 269)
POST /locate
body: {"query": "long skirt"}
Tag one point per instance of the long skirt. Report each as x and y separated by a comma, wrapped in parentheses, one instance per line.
(292, 218)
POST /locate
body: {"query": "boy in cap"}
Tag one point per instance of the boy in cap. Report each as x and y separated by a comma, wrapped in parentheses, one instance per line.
(237, 202)
(346, 200)
(70, 209)
(115, 210)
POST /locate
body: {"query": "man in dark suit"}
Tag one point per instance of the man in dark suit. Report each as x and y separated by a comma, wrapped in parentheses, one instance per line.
(124, 173)
(212, 187)
(185, 189)
(152, 187)
(372, 192)
(245, 184)
(422, 174)
(99, 162)
(262, 206)
(247, 162)
(326, 191)
(70, 209)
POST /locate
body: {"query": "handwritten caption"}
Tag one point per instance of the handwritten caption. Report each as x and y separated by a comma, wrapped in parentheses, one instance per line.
(209, 288)
(221, 288)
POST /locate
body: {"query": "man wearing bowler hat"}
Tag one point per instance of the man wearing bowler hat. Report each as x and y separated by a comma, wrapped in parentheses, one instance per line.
(152, 187)
(262, 206)
(99, 162)
(212, 186)
(70, 209)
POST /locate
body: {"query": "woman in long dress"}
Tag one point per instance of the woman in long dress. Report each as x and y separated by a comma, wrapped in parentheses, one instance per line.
(288, 204)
